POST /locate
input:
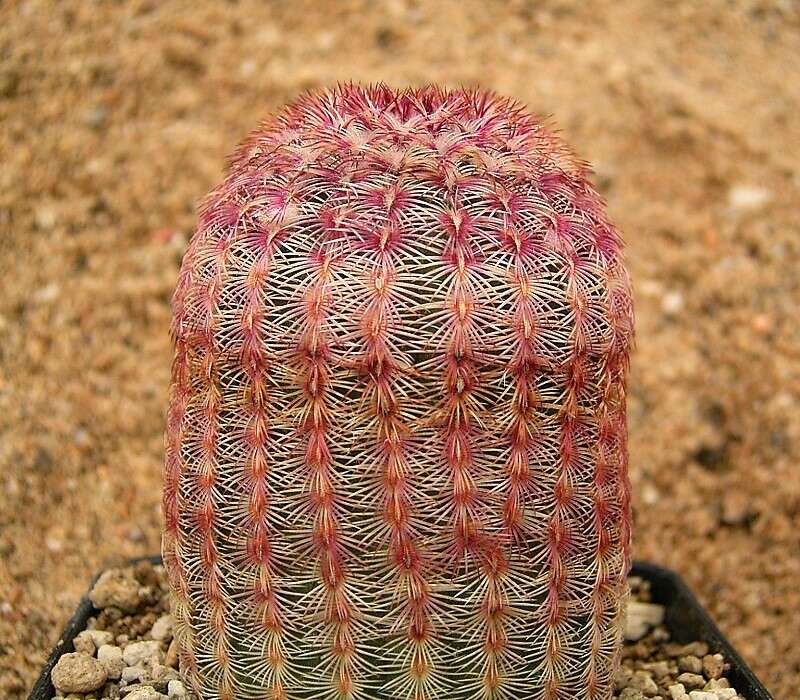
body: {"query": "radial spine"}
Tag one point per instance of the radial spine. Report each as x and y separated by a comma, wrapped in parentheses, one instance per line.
(396, 453)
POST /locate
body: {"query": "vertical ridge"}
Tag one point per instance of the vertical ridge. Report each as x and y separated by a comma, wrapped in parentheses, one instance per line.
(471, 538)
(259, 545)
(213, 639)
(560, 537)
(327, 542)
(417, 680)
(174, 468)
(513, 247)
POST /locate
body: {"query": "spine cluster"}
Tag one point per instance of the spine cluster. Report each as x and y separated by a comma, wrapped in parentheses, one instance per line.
(396, 461)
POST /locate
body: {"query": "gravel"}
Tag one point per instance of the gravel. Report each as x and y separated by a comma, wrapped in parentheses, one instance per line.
(654, 668)
(130, 654)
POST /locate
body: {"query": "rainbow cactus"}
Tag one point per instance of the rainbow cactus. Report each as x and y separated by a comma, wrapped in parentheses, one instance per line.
(396, 461)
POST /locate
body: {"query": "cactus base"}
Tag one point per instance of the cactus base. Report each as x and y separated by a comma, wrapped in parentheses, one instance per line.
(685, 618)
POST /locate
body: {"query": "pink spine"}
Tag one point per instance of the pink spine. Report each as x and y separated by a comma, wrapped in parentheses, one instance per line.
(396, 460)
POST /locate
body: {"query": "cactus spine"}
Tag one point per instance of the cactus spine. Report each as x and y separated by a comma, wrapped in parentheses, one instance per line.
(396, 461)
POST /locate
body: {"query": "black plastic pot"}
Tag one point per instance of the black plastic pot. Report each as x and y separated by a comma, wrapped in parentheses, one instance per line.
(686, 620)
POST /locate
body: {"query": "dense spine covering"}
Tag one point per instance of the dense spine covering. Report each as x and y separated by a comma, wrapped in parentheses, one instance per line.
(396, 461)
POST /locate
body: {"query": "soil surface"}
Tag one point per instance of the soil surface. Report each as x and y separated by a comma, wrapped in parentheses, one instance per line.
(116, 117)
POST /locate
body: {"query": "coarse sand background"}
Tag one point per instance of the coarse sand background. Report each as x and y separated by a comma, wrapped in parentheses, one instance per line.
(116, 117)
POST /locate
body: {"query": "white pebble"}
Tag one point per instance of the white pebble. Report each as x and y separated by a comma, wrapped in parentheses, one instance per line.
(137, 652)
(100, 637)
(640, 618)
(146, 692)
(162, 628)
(44, 295)
(131, 674)
(45, 218)
(702, 695)
(672, 303)
(176, 689)
(644, 682)
(631, 694)
(111, 658)
(84, 643)
(747, 197)
(659, 669)
(725, 693)
(117, 589)
(678, 692)
(691, 680)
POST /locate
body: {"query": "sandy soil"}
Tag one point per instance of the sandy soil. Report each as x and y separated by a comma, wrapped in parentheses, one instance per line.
(115, 118)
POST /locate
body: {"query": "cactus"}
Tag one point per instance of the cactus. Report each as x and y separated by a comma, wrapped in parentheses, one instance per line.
(396, 461)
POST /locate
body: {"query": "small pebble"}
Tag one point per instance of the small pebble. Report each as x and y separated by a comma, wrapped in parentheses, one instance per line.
(146, 692)
(78, 673)
(45, 218)
(101, 637)
(640, 618)
(84, 643)
(176, 689)
(134, 674)
(736, 506)
(691, 680)
(162, 628)
(171, 659)
(702, 695)
(660, 634)
(137, 652)
(644, 682)
(111, 658)
(631, 694)
(116, 588)
(725, 693)
(659, 669)
(748, 197)
(690, 664)
(713, 666)
(699, 649)
(672, 303)
(678, 692)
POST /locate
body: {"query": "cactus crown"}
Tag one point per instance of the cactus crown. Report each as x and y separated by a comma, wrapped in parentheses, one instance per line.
(396, 445)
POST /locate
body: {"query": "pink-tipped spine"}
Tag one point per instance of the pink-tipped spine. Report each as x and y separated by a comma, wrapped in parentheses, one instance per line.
(396, 459)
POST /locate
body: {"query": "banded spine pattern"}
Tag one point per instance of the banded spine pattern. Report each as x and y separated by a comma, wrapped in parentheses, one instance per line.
(395, 453)
(266, 616)
(174, 471)
(411, 614)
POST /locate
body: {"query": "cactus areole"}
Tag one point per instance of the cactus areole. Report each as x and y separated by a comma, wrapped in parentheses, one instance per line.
(396, 461)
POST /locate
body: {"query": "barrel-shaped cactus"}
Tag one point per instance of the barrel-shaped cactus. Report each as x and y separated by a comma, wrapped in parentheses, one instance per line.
(396, 461)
